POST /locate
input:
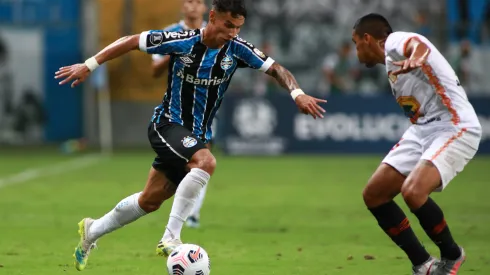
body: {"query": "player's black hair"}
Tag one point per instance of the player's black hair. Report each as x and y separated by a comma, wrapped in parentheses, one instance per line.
(373, 24)
(235, 7)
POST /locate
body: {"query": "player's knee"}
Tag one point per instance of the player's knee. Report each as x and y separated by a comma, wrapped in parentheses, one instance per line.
(203, 160)
(371, 195)
(375, 195)
(412, 190)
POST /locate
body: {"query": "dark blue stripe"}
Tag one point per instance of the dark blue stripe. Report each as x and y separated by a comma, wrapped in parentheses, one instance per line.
(221, 91)
(201, 94)
(176, 93)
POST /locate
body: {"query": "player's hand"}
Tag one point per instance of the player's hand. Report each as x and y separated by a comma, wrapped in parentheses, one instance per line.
(310, 105)
(408, 65)
(76, 73)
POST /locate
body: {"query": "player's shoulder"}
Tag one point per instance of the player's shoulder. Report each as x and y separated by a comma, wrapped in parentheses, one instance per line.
(396, 39)
(238, 40)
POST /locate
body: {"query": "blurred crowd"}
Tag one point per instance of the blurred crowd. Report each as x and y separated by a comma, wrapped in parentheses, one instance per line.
(313, 40)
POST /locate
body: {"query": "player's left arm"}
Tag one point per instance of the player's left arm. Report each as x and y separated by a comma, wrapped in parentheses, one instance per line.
(307, 104)
(416, 52)
(252, 57)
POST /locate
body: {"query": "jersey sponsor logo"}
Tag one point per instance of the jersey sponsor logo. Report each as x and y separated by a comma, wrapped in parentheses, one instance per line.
(410, 106)
(226, 63)
(202, 81)
(156, 38)
(178, 35)
(259, 52)
(189, 142)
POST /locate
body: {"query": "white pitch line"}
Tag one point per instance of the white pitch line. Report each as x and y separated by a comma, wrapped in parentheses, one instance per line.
(56, 169)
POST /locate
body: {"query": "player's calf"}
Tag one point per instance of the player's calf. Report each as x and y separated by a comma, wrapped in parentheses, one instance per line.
(201, 165)
(157, 190)
(420, 183)
(378, 195)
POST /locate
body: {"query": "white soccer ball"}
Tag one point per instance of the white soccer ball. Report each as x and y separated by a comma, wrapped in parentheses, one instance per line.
(189, 259)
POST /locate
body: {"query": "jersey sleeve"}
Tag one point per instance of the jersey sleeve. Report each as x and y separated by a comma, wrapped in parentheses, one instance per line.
(397, 42)
(164, 42)
(249, 56)
(170, 28)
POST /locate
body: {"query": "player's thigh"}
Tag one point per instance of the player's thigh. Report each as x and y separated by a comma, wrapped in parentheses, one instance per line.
(387, 180)
(448, 152)
(175, 146)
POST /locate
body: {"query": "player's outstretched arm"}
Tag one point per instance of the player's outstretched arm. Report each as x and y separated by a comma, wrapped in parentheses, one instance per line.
(307, 104)
(79, 72)
(416, 52)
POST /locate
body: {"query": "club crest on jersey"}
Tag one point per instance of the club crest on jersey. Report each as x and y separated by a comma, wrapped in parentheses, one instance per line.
(156, 38)
(392, 77)
(259, 52)
(226, 63)
(410, 107)
(189, 142)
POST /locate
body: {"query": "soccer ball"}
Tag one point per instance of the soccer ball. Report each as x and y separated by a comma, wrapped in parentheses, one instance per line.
(189, 259)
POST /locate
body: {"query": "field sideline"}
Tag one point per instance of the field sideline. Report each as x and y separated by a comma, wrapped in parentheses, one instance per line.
(274, 215)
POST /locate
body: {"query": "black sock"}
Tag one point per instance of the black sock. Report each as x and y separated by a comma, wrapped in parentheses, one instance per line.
(395, 223)
(432, 221)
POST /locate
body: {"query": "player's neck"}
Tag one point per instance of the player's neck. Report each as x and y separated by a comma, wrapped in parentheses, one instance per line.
(193, 24)
(208, 41)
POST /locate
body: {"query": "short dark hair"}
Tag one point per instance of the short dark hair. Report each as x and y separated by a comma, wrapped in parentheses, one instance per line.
(235, 7)
(373, 24)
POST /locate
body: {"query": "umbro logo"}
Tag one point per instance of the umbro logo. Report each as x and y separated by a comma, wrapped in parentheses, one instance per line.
(186, 59)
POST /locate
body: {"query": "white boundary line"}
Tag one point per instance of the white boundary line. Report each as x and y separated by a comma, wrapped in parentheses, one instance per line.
(51, 170)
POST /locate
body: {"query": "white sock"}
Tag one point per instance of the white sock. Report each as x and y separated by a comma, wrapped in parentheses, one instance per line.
(184, 200)
(125, 212)
(196, 211)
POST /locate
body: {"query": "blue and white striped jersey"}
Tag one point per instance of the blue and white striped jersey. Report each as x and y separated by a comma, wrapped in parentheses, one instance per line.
(198, 76)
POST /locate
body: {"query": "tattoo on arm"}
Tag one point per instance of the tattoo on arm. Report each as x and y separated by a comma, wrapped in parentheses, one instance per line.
(284, 77)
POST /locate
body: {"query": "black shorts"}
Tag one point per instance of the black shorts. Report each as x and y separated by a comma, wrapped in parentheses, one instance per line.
(175, 146)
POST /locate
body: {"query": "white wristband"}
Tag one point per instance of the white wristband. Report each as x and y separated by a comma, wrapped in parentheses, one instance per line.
(296, 93)
(91, 63)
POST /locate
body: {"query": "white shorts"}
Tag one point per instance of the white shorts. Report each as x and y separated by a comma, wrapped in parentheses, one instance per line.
(447, 146)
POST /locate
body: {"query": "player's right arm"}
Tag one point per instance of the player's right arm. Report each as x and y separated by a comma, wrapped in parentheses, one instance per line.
(408, 45)
(152, 42)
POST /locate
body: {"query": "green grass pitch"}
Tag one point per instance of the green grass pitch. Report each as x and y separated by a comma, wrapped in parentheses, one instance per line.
(262, 215)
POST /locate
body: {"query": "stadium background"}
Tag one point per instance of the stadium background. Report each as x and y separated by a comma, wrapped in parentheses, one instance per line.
(303, 206)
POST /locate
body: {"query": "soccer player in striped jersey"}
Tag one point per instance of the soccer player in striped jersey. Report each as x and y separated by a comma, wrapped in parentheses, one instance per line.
(202, 64)
(193, 18)
(444, 137)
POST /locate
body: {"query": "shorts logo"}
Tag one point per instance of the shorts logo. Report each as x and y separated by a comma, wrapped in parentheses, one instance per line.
(259, 53)
(189, 142)
(156, 38)
(226, 63)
